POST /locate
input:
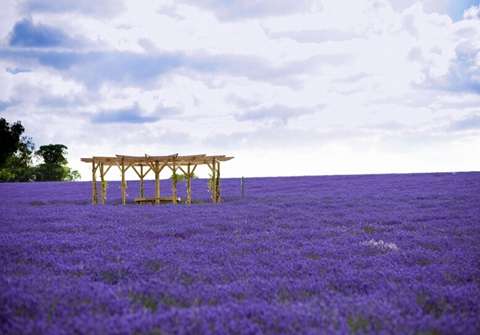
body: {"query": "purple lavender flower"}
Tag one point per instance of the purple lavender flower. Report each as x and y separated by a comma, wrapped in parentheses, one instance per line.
(358, 254)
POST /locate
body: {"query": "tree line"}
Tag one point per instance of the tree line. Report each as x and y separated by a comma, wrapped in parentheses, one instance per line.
(17, 156)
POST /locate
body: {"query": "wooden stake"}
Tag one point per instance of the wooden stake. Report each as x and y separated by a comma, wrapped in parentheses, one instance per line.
(242, 187)
(94, 183)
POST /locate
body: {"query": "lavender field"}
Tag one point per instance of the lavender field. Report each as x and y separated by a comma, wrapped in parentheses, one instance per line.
(307, 255)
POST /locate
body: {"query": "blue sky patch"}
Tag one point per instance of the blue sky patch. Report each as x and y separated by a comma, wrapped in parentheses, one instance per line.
(132, 114)
(27, 34)
(457, 7)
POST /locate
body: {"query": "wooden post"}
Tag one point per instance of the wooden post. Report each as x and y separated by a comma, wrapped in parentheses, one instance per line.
(94, 183)
(189, 185)
(217, 183)
(213, 180)
(174, 185)
(124, 193)
(157, 183)
(142, 185)
(104, 184)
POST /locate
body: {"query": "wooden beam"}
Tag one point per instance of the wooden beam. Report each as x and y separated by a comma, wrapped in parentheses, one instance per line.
(108, 168)
(188, 157)
(136, 171)
(108, 160)
(162, 158)
(146, 172)
(193, 170)
(97, 158)
(184, 172)
(152, 166)
(130, 157)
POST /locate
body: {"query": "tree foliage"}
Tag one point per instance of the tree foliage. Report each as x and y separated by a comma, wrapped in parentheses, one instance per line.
(18, 166)
(54, 166)
(10, 138)
(17, 152)
(53, 154)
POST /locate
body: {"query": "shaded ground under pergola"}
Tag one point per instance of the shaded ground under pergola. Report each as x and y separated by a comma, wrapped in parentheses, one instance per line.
(143, 165)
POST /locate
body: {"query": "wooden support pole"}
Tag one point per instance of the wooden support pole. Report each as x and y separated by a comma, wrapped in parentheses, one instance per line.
(213, 180)
(174, 184)
(104, 184)
(94, 183)
(217, 183)
(189, 185)
(142, 184)
(157, 182)
(124, 186)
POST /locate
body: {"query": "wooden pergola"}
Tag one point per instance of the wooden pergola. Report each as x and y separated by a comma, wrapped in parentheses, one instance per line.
(142, 165)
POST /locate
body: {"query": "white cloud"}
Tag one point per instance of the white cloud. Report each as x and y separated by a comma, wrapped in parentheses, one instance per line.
(251, 9)
(397, 82)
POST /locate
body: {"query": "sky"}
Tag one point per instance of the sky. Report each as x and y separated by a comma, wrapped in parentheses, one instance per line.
(291, 87)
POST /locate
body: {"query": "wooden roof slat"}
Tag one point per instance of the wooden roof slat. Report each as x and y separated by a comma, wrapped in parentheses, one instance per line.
(160, 158)
(133, 157)
(189, 157)
(147, 157)
(191, 162)
(221, 158)
(106, 157)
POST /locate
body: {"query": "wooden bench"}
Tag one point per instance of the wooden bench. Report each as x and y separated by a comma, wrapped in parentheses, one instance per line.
(153, 200)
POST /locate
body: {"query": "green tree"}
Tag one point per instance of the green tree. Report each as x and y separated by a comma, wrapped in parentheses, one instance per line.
(53, 154)
(18, 166)
(16, 152)
(54, 166)
(10, 139)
